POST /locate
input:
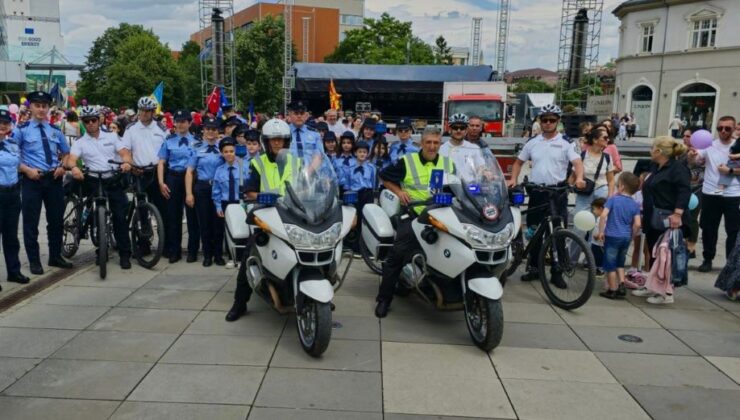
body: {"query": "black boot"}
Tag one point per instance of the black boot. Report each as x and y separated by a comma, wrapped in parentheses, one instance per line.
(236, 311)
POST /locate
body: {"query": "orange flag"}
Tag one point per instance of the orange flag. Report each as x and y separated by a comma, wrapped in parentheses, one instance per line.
(333, 96)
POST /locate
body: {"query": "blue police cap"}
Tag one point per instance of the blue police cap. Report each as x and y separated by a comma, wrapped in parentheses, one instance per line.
(39, 96)
(211, 123)
(362, 145)
(348, 135)
(404, 122)
(297, 106)
(182, 115)
(252, 135)
(5, 116)
(226, 141)
(330, 136)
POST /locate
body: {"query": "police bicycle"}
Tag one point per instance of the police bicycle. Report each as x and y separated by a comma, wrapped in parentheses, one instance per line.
(556, 244)
(79, 219)
(144, 221)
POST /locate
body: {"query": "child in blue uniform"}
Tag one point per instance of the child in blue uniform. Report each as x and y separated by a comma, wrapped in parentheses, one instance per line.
(330, 145)
(345, 160)
(228, 183)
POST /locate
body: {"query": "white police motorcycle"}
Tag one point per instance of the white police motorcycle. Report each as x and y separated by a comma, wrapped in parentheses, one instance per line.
(296, 246)
(465, 235)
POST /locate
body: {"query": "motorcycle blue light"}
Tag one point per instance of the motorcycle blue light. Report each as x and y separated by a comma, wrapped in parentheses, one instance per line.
(443, 199)
(474, 189)
(267, 199)
(350, 197)
(240, 150)
(517, 198)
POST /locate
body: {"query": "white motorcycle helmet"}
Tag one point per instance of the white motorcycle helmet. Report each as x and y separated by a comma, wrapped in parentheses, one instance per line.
(89, 111)
(146, 103)
(275, 128)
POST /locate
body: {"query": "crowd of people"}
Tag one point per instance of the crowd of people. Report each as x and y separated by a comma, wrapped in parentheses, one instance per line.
(189, 164)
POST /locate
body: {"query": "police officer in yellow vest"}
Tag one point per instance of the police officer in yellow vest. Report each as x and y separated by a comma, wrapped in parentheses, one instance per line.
(266, 176)
(409, 178)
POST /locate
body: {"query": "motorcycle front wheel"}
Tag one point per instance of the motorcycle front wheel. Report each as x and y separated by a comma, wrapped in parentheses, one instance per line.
(314, 326)
(485, 320)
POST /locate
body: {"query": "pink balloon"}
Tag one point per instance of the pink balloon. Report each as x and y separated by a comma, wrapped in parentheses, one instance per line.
(701, 139)
(13, 108)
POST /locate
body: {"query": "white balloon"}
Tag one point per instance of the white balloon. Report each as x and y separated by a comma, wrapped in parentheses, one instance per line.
(584, 220)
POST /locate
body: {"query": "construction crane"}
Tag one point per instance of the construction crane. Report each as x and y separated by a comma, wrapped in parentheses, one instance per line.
(504, 13)
(475, 41)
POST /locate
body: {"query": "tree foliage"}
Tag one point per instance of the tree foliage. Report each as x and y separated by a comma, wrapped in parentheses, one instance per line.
(530, 85)
(259, 64)
(189, 64)
(442, 53)
(382, 41)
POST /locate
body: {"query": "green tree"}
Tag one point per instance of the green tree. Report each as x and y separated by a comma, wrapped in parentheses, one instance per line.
(442, 53)
(532, 86)
(382, 41)
(189, 64)
(259, 64)
(141, 63)
(103, 53)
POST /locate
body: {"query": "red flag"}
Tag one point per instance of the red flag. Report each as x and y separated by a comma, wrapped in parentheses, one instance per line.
(213, 103)
(333, 96)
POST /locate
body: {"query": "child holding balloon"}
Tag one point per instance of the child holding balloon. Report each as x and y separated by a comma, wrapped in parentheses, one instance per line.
(732, 163)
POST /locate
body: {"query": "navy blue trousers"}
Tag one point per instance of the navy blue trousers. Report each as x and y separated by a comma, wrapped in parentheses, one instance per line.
(50, 192)
(175, 205)
(208, 220)
(10, 211)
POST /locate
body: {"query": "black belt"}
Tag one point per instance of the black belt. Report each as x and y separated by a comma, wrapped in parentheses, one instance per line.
(203, 182)
(9, 188)
(176, 173)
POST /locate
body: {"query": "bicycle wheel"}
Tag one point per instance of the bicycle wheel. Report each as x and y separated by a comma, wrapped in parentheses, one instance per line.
(101, 220)
(71, 229)
(565, 284)
(147, 235)
(517, 255)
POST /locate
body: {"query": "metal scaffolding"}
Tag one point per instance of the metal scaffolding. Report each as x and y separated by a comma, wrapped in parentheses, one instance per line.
(217, 64)
(502, 35)
(288, 78)
(475, 41)
(578, 56)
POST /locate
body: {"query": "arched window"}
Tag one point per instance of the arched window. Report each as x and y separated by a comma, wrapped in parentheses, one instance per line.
(642, 109)
(695, 104)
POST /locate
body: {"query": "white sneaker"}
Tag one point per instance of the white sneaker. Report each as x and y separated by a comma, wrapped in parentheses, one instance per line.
(642, 292)
(660, 299)
(230, 264)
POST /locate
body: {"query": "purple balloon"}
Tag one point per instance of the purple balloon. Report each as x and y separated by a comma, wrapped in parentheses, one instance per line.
(701, 139)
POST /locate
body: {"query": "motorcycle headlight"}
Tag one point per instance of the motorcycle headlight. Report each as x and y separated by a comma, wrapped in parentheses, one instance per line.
(480, 238)
(303, 239)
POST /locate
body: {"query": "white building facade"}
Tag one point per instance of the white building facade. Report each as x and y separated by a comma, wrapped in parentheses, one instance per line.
(32, 28)
(678, 57)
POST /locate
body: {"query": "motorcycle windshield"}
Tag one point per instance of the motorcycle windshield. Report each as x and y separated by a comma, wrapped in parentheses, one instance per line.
(311, 188)
(482, 183)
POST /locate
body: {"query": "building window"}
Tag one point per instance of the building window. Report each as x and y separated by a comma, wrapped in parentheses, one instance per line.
(351, 20)
(704, 33)
(648, 33)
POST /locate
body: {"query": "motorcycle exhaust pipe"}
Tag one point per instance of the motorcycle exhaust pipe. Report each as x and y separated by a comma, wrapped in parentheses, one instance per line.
(276, 302)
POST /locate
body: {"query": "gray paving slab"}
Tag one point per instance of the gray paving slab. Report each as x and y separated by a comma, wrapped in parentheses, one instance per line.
(167, 321)
(602, 316)
(23, 408)
(355, 328)
(168, 299)
(341, 391)
(711, 343)
(32, 342)
(200, 384)
(516, 291)
(477, 390)
(424, 330)
(540, 336)
(684, 299)
(223, 301)
(36, 315)
(265, 413)
(267, 324)
(678, 319)
(196, 269)
(552, 400)
(84, 296)
(362, 287)
(207, 283)
(341, 355)
(347, 305)
(130, 410)
(730, 366)
(686, 403)
(13, 368)
(655, 341)
(665, 370)
(118, 346)
(221, 350)
(551, 365)
(134, 279)
(83, 379)
(538, 313)
(395, 416)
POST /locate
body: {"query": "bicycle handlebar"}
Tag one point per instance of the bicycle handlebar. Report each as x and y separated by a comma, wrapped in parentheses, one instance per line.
(141, 168)
(545, 187)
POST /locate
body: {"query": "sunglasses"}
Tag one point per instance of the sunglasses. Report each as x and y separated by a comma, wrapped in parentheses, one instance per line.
(725, 128)
(458, 127)
(89, 120)
(549, 120)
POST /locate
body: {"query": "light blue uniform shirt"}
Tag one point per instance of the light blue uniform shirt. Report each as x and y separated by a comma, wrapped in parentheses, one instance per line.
(399, 149)
(28, 138)
(177, 151)
(205, 161)
(363, 176)
(10, 160)
(220, 190)
(343, 166)
(310, 141)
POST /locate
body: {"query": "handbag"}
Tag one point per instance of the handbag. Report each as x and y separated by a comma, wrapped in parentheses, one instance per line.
(658, 219)
(590, 184)
(679, 259)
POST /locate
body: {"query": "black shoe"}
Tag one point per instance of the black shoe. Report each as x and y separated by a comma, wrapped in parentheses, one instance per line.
(609, 294)
(192, 258)
(621, 291)
(60, 262)
(18, 278)
(165, 254)
(381, 309)
(36, 269)
(219, 261)
(692, 255)
(531, 275)
(125, 263)
(175, 258)
(705, 267)
(207, 262)
(236, 312)
(557, 281)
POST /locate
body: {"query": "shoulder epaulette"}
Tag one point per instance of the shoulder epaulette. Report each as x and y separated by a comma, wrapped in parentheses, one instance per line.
(171, 136)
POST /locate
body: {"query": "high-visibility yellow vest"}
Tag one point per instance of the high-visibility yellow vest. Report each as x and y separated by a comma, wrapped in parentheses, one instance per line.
(271, 180)
(416, 181)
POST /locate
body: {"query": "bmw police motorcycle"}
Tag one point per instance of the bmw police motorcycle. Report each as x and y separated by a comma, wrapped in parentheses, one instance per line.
(295, 250)
(465, 234)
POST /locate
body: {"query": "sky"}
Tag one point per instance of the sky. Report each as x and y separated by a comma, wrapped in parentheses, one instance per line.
(533, 36)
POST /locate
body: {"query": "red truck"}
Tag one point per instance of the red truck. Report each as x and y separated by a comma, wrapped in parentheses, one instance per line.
(483, 99)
